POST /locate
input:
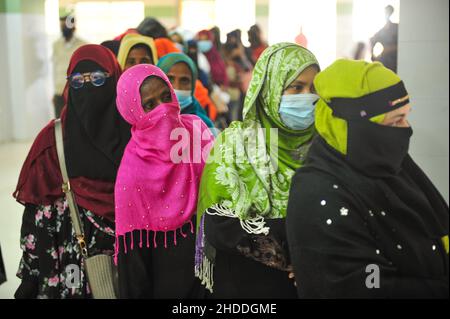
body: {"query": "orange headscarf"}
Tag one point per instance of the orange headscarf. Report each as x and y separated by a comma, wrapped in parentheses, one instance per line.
(202, 96)
(165, 46)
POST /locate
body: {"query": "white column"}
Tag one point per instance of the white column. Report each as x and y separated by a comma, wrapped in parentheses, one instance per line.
(423, 64)
(345, 45)
(25, 93)
(5, 99)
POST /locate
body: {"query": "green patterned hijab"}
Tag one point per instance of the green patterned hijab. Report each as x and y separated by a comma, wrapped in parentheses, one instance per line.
(249, 170)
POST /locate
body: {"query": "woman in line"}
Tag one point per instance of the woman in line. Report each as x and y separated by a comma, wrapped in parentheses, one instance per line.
(234, 39)
(242, 248)
(165, 46)
(218, 70)
(95, 136)
(257, 44)
(136, 49)
(156, 189)
(215, 31)
(239, 72)
(200, 61)
(151, 27)
(219, 77)
(182, 73)
(364, 221)
(112, 45)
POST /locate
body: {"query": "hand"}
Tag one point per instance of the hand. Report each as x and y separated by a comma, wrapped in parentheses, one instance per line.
(220, 104)
(291, 274)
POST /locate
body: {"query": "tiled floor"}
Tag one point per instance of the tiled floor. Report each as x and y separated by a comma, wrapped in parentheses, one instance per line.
(12, 156)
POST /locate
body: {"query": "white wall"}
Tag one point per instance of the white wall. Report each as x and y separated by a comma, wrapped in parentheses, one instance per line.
(24, 90)
(318, 20)
(423, 64)
(100, 21)
(5, 110)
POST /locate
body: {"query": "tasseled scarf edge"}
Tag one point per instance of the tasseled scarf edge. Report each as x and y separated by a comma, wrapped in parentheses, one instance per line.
(255, 226)
(204, 268)
(205, 272)
(147, 231)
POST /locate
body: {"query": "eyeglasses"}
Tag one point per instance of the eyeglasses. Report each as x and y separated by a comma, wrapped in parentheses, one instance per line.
(97, 78)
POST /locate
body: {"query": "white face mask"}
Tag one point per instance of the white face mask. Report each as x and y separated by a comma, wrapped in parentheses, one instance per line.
(204, 45)
(184, 98)
(297, 110)
(179, 46)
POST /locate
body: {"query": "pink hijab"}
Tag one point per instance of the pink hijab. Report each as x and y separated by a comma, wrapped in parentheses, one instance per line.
(153, 192)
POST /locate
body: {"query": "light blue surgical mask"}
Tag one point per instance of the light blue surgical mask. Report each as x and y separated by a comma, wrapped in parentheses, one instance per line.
(297, 110)
(204, 45)
(179, 46)
(184, 98)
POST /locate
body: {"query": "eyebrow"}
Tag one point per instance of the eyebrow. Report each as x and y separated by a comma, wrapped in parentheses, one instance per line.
(397, 117)
(147, 100)
(182, 75)
(153, 98)
(297, 82)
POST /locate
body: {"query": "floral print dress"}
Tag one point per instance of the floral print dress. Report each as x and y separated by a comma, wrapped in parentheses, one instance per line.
(51, 265)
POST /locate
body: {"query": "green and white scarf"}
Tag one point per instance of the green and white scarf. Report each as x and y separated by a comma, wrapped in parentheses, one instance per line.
(249, 170)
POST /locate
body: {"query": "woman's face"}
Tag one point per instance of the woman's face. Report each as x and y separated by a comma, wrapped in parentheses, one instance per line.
(180, 76)
(154, 91)
(203, 37)
(136, 56)
(398, 117)
(304, 83)
(87, 93)
(176, 38)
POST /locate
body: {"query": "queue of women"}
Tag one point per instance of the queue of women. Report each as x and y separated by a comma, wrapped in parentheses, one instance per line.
(295, 200)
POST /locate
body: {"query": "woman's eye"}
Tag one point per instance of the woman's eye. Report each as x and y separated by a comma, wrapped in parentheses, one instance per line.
(185, 81)
(297, 87)
(149, 105)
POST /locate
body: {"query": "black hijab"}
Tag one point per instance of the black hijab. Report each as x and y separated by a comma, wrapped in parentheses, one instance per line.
(151, 27)
(95, 133)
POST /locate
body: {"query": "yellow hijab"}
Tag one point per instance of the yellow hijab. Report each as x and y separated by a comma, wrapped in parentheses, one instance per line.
(129, 41)
(347, 79)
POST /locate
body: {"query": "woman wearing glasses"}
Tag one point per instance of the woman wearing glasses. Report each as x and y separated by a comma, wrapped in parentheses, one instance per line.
(95, 136)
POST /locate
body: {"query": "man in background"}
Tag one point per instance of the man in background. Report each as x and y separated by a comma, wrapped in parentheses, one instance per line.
(63, 49)
(388, 38)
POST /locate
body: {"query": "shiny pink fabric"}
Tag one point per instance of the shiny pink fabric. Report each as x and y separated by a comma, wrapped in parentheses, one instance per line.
(152, 192)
